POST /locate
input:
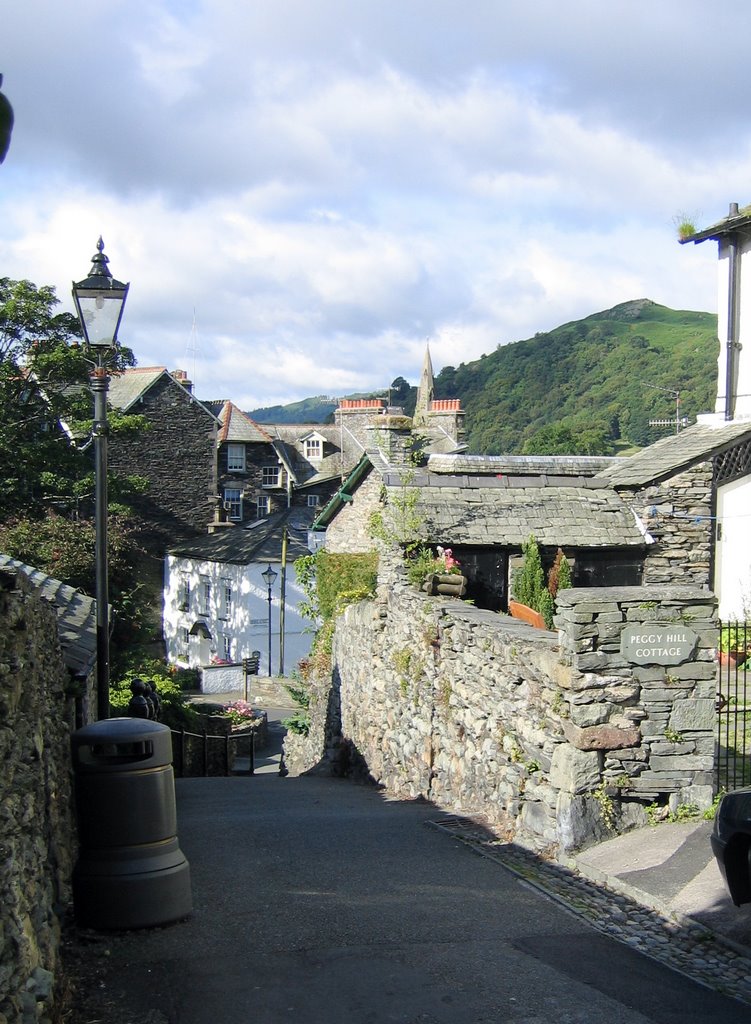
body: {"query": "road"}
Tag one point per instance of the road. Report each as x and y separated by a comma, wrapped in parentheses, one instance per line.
(316, 900)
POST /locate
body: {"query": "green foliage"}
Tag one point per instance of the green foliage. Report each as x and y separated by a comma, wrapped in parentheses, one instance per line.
(298, 723)
(529, 580)
(169, 681)
(44, 390)
(400, 522)
(560, 378)
(564, 439)
(529, 585)
(734, 637)
(685, 225)
(64, 548)
(330, 583)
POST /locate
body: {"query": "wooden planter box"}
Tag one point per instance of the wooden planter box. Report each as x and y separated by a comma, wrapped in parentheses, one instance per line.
(526, 614)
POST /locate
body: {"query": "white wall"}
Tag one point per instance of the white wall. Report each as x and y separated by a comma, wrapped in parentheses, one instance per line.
(246, 623)
(732, 582)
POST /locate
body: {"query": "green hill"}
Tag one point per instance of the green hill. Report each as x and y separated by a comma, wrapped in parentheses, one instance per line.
(309, 410)
(588, 387)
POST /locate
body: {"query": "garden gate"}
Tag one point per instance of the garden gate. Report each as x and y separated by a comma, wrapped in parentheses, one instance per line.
(733, 756)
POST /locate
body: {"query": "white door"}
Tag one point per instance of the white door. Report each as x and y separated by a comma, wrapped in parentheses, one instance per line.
(732, 577)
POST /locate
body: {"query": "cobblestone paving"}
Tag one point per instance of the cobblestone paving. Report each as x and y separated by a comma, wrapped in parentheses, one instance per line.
(685, 947)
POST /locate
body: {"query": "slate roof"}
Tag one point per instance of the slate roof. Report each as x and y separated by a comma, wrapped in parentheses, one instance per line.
(306, 473)
(76, 616)
(488, 511)
(238, 426)
(126, 388)
(260, 541)
(736, 221)
(519, 465)
(672, 454)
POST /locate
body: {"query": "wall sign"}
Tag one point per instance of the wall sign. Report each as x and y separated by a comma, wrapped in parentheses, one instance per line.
(656, 643)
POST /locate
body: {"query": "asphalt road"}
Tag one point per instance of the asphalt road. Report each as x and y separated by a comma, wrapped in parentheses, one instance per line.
(316, 901)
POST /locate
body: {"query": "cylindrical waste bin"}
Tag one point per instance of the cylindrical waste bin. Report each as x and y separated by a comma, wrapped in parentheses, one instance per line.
(131, 872)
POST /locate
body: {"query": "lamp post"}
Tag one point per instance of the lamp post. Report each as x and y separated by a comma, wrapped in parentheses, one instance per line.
(269, 576)
(100, 300)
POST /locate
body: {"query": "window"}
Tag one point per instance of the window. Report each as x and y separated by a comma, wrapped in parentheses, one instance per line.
(204, 597)
(233, 502)
(313, 448)
(314, 500)
(183, 639)
(226, 646)
(235, 458)
(226, 609)
(270, 476)
(262, 506)
(183, 594)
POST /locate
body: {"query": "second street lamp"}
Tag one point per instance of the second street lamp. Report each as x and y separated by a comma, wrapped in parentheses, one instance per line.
(100, 300)
(269, 576)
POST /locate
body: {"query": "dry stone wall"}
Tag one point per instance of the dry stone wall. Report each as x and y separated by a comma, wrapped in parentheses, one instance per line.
(36, 827)
(556, 737)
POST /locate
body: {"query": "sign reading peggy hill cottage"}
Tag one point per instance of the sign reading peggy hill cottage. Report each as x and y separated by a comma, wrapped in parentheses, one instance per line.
(655, 643)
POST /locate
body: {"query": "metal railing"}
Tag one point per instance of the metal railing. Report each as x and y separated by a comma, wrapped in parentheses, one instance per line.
(211, 754)
(733, 746)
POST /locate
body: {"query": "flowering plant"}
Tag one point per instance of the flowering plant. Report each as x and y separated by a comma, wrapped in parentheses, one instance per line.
(240, 712)
(450, 564)
(422, 562)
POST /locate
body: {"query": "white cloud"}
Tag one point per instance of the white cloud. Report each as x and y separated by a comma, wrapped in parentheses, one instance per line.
(327, 186)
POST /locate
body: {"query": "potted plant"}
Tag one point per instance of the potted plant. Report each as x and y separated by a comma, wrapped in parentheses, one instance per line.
(436, 573)
(734, 643)
(534, 598)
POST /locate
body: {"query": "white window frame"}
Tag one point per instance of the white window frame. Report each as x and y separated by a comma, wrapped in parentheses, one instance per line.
(183, 639)
(226, 646)
(313, 449)
(204, 596)
(235, 457)
(225, 611)
(270, 476)
(235, 510)
(263, 506)
(183, 594)
(314, 500)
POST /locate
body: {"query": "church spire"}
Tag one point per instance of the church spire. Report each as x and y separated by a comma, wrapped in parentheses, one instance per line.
(424, 391)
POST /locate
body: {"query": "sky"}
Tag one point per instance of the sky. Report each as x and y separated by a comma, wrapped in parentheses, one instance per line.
(303, 193)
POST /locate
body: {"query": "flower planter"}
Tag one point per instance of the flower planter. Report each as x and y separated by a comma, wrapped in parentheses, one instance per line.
(732, 659)
(526, 614)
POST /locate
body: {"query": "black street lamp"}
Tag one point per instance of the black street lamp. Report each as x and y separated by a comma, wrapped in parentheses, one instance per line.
(269, 576)
(100, 300)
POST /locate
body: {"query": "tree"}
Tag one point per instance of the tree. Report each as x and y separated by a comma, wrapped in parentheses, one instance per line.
(45, 403)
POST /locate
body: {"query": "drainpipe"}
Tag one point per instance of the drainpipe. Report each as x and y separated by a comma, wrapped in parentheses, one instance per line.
(733, 317)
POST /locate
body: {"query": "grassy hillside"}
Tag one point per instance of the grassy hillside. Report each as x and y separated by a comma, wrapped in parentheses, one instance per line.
(590, 378)
(309, 410)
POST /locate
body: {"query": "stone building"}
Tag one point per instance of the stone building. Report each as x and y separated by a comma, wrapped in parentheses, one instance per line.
(175, 454)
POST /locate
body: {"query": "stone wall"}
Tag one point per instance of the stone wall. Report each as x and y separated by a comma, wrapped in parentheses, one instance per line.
(37, 841)
(678, 515)
(556, 738)
(349, 531)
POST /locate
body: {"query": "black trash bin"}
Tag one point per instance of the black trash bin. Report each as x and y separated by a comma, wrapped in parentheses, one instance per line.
(131, 872)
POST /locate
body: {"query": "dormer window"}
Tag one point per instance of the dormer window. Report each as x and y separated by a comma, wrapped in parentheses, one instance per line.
(313, 449)
(235, 458)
